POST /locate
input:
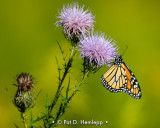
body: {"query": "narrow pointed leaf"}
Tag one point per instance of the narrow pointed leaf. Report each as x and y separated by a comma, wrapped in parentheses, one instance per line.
(67, 90)
(62, 53)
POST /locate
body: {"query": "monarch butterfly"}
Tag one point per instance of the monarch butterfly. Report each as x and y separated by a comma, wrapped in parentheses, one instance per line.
(120, 78)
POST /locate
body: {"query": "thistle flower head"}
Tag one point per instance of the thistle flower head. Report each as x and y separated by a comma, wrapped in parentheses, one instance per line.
(24, 82)
(75, 21)
(23, 97)
(98, 49)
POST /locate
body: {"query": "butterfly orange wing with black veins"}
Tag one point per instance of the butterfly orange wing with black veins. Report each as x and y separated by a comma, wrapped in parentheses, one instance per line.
(120, 78)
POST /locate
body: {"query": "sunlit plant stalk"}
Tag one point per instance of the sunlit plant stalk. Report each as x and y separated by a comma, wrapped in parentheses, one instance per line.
(24, 119)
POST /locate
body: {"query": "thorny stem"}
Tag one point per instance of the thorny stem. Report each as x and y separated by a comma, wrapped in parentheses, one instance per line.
(63, 106)
(77, 88)
(67, 67)
(24, 120)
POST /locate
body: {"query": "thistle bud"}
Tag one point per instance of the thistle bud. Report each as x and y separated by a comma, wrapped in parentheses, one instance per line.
(23, 98)
(90, 66)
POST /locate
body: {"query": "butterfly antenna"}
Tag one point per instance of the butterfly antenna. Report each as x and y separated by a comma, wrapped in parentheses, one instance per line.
(124, 50)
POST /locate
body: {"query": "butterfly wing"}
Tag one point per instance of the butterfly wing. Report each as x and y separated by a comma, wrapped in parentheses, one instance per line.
(114, 79)
(131, 86)
(120, 78)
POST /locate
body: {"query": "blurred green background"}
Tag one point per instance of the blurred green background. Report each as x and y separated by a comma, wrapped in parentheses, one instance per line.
(28, 38)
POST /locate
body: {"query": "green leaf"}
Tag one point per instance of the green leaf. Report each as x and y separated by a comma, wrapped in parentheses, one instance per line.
(38, 119)
(58, 64)
(59, 69)
(16, 125)
(62, 53)
(68, 89)
(31, 120)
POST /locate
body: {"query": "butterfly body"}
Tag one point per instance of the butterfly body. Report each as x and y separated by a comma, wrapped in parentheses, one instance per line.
(120, 78)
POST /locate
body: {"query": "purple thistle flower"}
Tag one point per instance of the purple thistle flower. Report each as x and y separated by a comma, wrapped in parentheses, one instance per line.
(98, 49)
(75, 21)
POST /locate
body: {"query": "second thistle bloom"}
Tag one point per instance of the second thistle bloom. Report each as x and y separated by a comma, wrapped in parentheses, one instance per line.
(98, 49)
(75, 21)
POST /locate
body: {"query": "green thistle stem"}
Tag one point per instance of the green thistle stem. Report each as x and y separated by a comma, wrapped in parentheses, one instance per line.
(24, 119)
(64, 104)
(82, 81)
(66, 67)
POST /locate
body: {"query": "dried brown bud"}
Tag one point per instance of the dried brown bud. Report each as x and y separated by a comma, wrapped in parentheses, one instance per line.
(24, 82)
(23, 98)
